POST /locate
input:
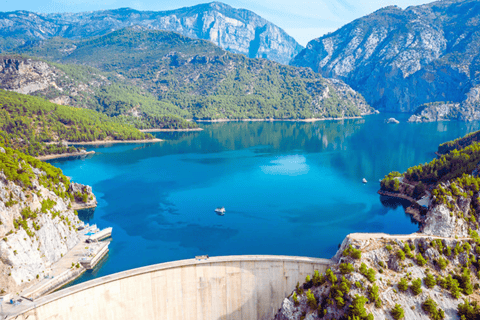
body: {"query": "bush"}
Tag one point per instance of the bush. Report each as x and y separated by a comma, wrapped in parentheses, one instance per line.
(416, 286)
(430, 307)
(312, 302)
(352, 252)
(299, 288)
(346, 268)
(357, 308)
(373, 293)
(388, 247)
(420, 260)
(397, 312)
(295, 299)
(469, 310)
(429, 281)
(401, 255)
(318, 279)
(442, 263)
(403, 285)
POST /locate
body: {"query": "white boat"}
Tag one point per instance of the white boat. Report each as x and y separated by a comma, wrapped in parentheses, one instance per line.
(220, 210)
(364, 180)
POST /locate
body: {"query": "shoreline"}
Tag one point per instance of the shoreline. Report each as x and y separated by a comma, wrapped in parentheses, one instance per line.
(272, 120)
(170, 130)
(63, 155)
(101, 142)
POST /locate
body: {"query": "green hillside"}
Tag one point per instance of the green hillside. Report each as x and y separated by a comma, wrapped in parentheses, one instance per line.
(36, 126)
(201, 79)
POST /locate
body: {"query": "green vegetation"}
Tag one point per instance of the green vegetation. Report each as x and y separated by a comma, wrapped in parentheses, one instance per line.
(416, 286)
(469, 310)
(430, 307)
(312, 302)
(352, 252)
(357, 308)
(429, 281)
(397, 312)
(403, 285)
(346, 268)
(200, 78)
(36, 126)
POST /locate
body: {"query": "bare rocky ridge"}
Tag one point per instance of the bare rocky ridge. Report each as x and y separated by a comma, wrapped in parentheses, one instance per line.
(401, 59)
(236, 30)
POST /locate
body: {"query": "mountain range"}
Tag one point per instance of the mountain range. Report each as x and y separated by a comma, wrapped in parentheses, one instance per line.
(402, 59)
(190, 77)
(235, 30)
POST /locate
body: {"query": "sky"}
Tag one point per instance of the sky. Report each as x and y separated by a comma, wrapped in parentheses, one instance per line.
(302, 19)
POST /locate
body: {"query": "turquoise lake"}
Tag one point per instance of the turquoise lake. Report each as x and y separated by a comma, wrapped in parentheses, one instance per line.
(289, 188)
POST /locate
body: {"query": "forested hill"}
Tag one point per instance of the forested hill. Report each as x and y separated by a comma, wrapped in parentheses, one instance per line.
(203, 79)
(38, 127)
(87, 87)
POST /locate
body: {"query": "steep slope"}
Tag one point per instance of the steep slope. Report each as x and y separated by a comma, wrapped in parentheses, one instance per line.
(87, 87)
(400, 59)
(37, 222)
(203, 79)
(236, 30)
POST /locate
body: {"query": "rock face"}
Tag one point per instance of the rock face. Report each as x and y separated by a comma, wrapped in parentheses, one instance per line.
(379, 258)
(37, 77)
(37, 228)
(401, 59)
(236, 30)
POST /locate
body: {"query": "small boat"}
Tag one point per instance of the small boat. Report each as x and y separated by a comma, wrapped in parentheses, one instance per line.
(364, 180)
(220, 211)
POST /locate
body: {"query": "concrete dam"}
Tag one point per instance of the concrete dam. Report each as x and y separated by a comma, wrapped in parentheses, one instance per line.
(218, 288)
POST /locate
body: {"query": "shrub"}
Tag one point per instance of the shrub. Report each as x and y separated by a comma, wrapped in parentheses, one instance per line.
(430, 307)
(416, 286)
(357, 308)
(331, 276)
(312, 302)
(403, 285)
(420, 260)
(455, 289)
(429, 280)
(318, 279)
(401, 255)
(388, 247)
(373, 293)
(442, 263)
(299, 288)
(397, 312)
(352, 252)
(469, 310)
(346, 268)
(295, 299)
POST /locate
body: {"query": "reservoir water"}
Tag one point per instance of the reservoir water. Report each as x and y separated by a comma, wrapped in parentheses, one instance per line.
(289, 188)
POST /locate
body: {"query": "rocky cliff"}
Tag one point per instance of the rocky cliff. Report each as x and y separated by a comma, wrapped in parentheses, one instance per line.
(379, 276)
(236, 30)
(400, 59)
(37, 222)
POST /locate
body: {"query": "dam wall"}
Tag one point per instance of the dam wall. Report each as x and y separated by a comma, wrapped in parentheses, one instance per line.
(223, 288)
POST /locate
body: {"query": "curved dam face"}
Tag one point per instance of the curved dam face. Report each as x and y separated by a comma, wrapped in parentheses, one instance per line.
(223, 288)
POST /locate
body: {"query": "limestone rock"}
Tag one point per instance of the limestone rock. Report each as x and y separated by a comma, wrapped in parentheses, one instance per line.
(236, 30)
(401, 59)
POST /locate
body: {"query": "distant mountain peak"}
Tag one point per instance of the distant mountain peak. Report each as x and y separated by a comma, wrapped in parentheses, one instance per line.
(236, 30)
(402, 59)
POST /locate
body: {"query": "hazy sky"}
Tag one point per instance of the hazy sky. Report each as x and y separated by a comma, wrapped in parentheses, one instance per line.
(302, 19)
